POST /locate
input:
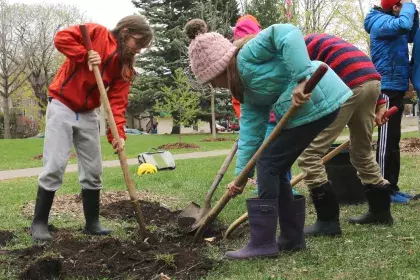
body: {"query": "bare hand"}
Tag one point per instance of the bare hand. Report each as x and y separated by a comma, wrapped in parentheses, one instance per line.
(120, 147)
(299, 97)
(379, 118)
(235, 190)
(94, 59)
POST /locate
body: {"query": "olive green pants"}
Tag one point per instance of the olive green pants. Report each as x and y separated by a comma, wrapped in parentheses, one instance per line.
(358, 112)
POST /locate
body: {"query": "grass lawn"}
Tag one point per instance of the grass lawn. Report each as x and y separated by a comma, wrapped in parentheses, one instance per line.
(20, 153)
(363, 252)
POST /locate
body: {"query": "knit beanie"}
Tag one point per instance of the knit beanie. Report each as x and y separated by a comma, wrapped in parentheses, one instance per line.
(246, 25)
(209, 53)
(388, 4)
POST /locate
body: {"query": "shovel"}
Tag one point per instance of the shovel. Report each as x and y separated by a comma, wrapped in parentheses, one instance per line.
(190, 219)
(121, 154)
(243, 176)
(299, 177)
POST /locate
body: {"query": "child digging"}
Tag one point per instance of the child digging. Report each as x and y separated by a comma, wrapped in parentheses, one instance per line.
(71, 116)
(269, 71)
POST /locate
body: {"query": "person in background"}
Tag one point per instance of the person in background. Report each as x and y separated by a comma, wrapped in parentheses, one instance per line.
(392, 26)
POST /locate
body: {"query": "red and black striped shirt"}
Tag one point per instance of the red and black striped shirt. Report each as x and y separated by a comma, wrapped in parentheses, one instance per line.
(352, 65)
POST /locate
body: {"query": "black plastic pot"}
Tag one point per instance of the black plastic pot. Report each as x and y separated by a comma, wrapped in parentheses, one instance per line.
(346, 185)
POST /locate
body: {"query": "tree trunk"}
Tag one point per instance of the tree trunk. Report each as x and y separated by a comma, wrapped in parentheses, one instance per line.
(6, 113)
(213, 116)
(176, 129)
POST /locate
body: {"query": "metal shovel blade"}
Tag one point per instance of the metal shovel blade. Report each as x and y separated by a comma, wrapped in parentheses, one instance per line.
(189, 216)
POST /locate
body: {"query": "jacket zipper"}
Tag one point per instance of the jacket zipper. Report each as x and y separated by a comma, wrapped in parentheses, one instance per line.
(67, 80)
(106, 64)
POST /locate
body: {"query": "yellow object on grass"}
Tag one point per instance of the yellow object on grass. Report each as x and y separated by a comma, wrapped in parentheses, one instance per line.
(146, 168)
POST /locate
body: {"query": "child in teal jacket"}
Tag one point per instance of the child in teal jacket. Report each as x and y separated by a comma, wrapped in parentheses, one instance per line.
(269, 71)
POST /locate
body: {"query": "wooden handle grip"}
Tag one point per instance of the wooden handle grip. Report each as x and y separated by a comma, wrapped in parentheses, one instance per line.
(86, 38)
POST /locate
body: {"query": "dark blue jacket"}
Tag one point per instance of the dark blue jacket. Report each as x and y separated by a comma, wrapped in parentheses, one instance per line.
(389, 37)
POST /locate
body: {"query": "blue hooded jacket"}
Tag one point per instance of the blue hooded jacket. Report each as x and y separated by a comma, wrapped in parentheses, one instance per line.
(389, 37)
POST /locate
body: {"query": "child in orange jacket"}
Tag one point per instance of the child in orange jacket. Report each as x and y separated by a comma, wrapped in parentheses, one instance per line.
(71, 116)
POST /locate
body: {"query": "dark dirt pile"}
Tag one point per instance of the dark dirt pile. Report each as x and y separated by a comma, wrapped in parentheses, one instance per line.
(166, 251)
(174, 146)
(410, 145)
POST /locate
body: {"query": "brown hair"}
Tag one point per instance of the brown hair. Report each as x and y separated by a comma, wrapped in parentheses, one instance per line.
(135, 24)
(234, 80)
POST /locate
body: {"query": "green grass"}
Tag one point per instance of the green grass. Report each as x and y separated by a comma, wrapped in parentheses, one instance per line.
(363, 252)
(19, 153)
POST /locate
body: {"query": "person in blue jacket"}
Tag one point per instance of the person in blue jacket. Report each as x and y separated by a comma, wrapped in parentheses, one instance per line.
(391, 27)
(266, 72)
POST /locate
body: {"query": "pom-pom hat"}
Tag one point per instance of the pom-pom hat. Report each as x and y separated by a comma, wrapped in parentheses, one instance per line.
(209, 53)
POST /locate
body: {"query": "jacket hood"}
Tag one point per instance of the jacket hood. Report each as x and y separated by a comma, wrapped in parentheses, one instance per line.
(374, 14)
(245, 27)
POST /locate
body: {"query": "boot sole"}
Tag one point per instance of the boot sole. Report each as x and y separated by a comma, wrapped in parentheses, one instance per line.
(253, 257)
(85, 231)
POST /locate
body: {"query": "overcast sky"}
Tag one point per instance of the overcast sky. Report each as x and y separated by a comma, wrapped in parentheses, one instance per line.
(105, 12)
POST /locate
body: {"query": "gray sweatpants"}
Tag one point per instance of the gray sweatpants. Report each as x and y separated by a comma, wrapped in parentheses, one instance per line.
(64, 128)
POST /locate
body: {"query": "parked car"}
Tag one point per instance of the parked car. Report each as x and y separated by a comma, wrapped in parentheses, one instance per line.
(134, 131)
(234, 127)
(220, 128)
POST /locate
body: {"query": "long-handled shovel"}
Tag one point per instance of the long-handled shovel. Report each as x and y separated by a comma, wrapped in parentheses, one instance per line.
(299, 177)
(243, 176)
(191, 217)
(110, 117)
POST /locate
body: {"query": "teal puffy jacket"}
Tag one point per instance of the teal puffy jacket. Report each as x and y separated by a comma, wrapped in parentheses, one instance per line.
(270, 66)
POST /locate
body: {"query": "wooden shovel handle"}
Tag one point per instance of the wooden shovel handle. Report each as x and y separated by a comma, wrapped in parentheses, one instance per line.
(110, 117)
(220, 174)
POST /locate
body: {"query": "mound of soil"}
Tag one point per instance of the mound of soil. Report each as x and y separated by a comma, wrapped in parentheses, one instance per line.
(410, 145)
(40, 156)
(173, 146)
(219, 139)
(153, 212)
(71, 204)
(166, 251)
(5, 236)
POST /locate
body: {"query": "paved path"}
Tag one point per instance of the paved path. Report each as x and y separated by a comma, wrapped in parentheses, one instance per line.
(32, 172)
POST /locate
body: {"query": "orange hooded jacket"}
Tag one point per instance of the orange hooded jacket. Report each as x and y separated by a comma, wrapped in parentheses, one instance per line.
(75, 86)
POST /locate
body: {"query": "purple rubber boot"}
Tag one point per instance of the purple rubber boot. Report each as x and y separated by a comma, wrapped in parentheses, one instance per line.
(262, 215)
(292, 222)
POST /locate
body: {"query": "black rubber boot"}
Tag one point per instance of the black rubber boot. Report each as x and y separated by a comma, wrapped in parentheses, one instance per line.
(378, 197)
(39, 227)
(327, 211)
(292, 222)
(91, 209)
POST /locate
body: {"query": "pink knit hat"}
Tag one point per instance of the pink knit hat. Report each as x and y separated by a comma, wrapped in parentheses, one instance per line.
(209, 53)
(246, 26)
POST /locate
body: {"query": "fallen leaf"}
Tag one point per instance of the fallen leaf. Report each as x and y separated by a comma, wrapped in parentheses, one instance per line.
(411, 252)
(164, 276)
(210, 239)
